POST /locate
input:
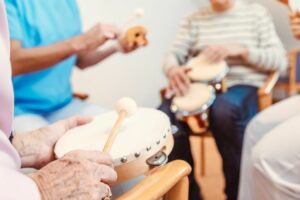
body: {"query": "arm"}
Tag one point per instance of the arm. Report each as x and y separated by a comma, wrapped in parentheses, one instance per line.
(180, 49)
(122, 45)
(25, 61)
(36, 148)
(35, 59)
(270, 54)
(94, 57)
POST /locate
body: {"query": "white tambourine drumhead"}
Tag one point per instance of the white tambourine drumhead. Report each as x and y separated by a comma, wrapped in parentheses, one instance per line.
(137, 133)
(197, 100)
(204, 72)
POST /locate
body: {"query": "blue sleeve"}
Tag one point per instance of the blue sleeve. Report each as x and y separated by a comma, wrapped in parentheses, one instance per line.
(14, 20)
(76, 11)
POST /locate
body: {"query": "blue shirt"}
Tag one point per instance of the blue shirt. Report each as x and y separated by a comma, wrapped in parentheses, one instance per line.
(39, 23)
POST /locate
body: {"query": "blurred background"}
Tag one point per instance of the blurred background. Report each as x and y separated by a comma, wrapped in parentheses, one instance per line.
(139, 75)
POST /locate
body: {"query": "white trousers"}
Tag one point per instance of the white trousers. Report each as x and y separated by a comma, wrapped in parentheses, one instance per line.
(270, 168)
(29, 122)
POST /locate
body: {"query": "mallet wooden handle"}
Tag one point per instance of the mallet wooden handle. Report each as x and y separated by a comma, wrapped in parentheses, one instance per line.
(114, 131)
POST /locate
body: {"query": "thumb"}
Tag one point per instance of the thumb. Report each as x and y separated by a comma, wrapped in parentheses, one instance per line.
(76, 121)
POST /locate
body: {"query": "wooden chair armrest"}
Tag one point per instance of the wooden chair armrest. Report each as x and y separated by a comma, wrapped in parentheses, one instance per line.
(81, 96)
(162, 93)
(269, 84)
(294, 51)
(284, 1)
(158, 182)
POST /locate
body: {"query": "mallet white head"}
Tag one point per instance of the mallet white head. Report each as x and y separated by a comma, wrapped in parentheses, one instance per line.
(139, 13)
(128, 105)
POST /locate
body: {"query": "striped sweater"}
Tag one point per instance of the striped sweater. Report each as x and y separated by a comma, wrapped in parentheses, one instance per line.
(248, 24)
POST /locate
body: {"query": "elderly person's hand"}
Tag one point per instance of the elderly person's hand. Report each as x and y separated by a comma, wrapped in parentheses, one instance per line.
(78, 175)
(36, 148)
(217, 53)
(295, 24)
(179, 82)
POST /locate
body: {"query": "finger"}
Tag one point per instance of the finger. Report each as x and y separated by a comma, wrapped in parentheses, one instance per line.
(175, 88)
(169, 92)
(208, 54)
(103, 190)
(295, 20)
(103, 173)
(222, 55)
(296, 27)
(76, 121)
(110, 31)
(292, 15)
(180, 86)
(61, 127)
(187, 69)
(215, 56)
(93, 156)
(184, 78)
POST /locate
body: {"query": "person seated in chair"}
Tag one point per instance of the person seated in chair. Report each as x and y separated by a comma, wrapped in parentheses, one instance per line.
(243, 34)
(46, 43)
(270, 168)
(78, 175)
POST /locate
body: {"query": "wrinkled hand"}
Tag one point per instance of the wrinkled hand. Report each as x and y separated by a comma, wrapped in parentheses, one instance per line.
(36, 148)
(94, 38)
(79, 175)
(217, 53)
(179, 82)
(295, 24)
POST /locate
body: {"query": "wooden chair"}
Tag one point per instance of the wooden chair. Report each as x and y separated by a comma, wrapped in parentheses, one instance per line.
(169, 182)
(265, 97)
(81, 96)
(291, 86)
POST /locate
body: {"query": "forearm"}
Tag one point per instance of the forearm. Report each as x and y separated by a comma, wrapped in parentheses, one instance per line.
(96, 56)
(30, 60)
(169, 62)
(268, 58)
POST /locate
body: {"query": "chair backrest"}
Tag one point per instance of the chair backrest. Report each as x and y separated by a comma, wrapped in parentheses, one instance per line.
(294, 72)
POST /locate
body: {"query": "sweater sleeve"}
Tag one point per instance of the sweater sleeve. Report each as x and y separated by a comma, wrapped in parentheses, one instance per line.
(179, 51)
(270, 53)
(13, 184)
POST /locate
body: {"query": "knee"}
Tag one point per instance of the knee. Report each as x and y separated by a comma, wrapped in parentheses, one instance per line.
(165, 107)
(223, 109)
(261, 162)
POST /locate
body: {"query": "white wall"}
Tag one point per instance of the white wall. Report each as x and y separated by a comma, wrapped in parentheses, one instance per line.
(280, 16)
(139, 75)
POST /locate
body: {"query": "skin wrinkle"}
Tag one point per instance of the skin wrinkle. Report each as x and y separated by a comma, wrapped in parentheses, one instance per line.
(74, 177)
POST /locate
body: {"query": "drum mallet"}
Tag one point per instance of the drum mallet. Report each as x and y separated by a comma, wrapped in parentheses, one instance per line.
(126, 107)
(138, 13)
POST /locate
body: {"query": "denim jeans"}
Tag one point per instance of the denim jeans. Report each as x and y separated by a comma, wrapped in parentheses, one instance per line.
(229, 116)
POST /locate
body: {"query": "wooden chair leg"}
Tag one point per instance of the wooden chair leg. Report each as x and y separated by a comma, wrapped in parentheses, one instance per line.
(203, 170)
(180, 191)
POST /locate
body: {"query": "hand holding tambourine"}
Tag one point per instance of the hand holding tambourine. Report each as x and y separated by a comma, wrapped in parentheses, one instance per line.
(134, 36)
